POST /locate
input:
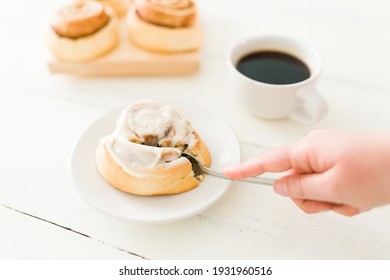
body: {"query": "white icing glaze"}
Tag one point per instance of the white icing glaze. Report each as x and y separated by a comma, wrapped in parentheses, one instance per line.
(148, 119)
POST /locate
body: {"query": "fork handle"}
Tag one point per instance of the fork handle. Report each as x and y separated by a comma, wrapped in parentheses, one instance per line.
(253, 180)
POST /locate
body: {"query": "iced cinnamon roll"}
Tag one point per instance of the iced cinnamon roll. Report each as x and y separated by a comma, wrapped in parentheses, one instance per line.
(167, 26)
(143, 155)
(83, 31)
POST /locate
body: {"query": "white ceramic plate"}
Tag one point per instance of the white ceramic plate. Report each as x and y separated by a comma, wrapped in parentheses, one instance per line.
(218, 136)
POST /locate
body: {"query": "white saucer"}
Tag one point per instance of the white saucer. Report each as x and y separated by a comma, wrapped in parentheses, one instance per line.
(215, 132)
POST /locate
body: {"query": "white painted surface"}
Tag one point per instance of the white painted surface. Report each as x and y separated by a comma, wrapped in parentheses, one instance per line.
(42, 116)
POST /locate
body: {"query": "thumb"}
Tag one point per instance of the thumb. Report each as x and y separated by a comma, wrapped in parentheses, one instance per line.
(315, 186)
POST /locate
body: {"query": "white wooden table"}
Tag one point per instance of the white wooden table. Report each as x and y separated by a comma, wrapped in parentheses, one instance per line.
(43, 115)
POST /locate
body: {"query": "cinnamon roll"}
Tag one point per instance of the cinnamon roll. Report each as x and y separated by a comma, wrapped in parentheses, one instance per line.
(83, 31)
(167, 26)
(171, 13)
(143, 155)
(120, 7)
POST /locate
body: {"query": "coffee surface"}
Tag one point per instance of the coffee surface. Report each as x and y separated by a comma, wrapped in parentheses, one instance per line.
(273, 67)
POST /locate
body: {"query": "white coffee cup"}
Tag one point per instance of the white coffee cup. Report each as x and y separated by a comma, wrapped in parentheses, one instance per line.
(299, 101)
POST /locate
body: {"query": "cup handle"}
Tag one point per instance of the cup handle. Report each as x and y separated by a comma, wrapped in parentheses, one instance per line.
(313, 108)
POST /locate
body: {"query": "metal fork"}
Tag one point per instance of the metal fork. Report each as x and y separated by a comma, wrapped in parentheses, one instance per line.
(199, 169)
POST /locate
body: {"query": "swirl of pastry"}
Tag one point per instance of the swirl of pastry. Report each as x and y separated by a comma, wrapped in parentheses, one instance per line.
(170, 13)
(143, 155)
(79, 19)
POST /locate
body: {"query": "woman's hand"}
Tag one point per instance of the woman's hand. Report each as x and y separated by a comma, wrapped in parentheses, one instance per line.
(345, 172)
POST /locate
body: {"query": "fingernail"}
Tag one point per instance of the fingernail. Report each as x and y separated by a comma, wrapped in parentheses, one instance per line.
(230, 168)
(226, 169)
(281, 188)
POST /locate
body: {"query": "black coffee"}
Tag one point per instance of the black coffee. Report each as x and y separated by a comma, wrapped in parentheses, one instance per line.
(273, 68)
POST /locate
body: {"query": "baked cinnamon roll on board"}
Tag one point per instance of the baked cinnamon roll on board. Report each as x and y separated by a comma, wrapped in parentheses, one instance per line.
(83, 31)
(120, 7)
(166, 26)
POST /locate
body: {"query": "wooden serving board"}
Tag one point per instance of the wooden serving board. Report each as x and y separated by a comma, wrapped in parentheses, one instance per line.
(129, 60)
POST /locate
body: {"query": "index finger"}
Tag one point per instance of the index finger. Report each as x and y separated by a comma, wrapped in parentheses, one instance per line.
(273, 160)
